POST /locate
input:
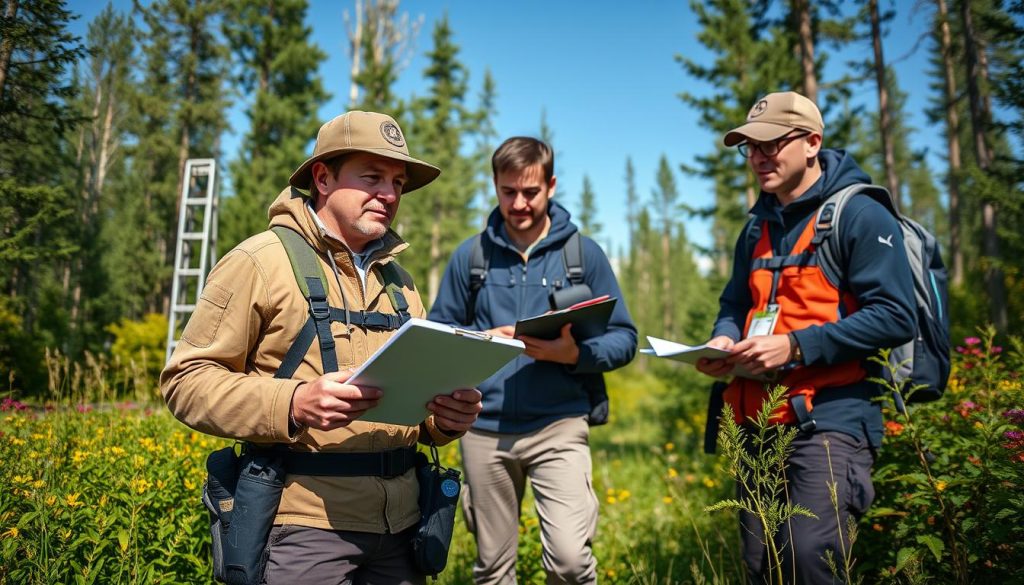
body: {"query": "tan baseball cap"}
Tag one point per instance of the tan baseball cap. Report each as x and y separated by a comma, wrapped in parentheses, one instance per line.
(358, 131)
(776, 114)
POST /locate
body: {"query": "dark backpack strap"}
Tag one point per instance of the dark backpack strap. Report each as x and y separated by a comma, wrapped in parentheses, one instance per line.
(572, 257)
(309, 275)
(827, 237)
(393, 286)
(479, 260)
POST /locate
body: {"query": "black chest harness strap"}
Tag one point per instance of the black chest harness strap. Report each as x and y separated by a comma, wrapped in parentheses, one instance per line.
(312, 281)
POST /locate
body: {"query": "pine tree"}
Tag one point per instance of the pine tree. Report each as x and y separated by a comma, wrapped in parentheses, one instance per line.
(37, 177)
(437, 218)
(587, 217)
(664, 200)
(278, 66)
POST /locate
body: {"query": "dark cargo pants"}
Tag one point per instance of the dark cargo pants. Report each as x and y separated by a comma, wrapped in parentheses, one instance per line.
(300, 554)
(803, 542)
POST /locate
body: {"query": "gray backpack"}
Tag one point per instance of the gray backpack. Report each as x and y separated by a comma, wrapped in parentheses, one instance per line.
(922, 365)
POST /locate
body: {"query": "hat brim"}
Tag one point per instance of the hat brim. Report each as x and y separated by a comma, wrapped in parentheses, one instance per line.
(759, 131)
(419, 173)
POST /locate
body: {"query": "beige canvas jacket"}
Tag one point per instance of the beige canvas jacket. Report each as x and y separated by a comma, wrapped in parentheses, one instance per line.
(220, 378)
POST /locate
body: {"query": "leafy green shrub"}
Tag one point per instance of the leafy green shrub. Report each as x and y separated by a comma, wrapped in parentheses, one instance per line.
(140, 346)
(950, 478)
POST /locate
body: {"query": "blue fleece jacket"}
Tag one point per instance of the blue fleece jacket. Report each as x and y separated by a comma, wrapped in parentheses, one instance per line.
(877, 274)
(526, 394)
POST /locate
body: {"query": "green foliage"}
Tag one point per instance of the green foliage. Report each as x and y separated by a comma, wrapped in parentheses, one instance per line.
(587, 217)
(279, 68)
(141, 344)
(950, 477)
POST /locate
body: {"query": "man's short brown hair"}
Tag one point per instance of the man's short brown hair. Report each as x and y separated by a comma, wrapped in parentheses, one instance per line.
(333, 165)
(520, 152)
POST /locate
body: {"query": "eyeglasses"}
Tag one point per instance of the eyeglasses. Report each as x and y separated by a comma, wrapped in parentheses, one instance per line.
(768, 149)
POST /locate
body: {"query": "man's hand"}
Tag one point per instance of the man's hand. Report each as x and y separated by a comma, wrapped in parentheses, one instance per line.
(503, 331)
(328, 403)
(561, 350)
(716, 368)
(456, 412)
(761, 354)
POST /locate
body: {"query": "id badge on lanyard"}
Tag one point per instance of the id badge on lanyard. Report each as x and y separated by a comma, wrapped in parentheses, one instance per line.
(763, 322)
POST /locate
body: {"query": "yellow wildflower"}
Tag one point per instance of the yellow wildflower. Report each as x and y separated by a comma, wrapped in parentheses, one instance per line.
(103, 500)
(38, 484)
(79, 456)
(22, 478)
(17, 442)
(12, 533)
(940, 485)
(666, 500)
(51, 500)
(189, 484)
(672, 472)
(611, 499)
(610, 491)
(72, 500)
(708, 482)
(624, 495)
(669, 446)
(610, 573)
(64, 533)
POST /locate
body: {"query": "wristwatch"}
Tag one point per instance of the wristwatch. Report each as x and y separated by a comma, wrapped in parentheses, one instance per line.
(795, 355)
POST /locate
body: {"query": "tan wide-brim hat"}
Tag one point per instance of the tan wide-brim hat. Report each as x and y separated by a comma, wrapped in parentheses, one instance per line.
(775, 115)
(358, 131)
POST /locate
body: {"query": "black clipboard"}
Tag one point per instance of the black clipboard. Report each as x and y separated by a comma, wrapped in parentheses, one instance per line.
(589, 319)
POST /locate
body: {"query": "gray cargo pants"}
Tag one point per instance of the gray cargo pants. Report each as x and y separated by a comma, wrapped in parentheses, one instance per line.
(802, 542)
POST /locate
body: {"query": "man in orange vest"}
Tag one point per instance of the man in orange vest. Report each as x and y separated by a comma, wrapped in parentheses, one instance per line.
(779, 312)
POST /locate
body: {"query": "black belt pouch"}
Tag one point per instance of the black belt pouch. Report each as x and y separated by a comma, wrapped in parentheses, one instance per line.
(439, 495)
(257, 496)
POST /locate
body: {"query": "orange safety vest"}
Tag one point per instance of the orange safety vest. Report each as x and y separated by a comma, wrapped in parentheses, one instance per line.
(805, 298)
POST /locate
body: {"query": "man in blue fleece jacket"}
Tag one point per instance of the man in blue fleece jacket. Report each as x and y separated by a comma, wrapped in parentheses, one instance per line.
(533, 424)
(819, 333)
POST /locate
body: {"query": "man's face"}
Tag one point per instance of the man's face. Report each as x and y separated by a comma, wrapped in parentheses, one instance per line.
(523, 197)
(783, 172)
(360, 203)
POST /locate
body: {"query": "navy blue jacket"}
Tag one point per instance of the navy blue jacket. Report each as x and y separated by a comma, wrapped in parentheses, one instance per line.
(877, 274)
(526, 394)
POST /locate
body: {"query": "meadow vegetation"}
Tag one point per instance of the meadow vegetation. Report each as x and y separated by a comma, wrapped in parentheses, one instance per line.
(101, 485)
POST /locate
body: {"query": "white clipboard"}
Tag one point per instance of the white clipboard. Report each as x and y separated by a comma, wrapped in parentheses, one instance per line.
(689, 354)
(423, 359)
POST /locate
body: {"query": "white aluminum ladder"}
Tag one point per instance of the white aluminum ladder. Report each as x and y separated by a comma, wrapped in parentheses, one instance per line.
(195, 250)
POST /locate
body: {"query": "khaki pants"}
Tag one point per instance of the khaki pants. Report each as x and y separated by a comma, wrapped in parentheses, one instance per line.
(556, 459)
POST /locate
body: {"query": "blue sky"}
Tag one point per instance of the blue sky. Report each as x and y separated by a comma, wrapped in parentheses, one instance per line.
(605, 75)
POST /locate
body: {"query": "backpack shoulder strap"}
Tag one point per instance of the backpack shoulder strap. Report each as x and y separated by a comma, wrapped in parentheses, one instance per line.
(572, 257)
(479, 260)
(393, 286)
(312, 281)
(826, 230)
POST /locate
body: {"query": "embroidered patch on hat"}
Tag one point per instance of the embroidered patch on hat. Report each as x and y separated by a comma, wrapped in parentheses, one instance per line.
(391, 133)
(758, 109)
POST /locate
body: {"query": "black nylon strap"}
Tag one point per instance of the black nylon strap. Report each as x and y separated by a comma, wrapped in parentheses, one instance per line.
(386, 464)
(804, 421)
(478, 261)
(715, 403)
(374, 320)
(320, 312)
(297, 351)
(572, 257)
(779, 262)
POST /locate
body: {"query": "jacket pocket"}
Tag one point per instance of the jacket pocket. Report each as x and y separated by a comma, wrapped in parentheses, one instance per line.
(202, 326)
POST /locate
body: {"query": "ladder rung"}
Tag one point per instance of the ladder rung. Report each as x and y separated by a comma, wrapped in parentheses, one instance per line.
(196, 201)
(184, 308)
(193, 236)
(189, 272)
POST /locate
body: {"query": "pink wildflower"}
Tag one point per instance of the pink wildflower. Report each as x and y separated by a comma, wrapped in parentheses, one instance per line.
(972, 340)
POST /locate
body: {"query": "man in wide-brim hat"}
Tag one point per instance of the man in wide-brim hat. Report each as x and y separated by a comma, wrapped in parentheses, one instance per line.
(236, 372)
